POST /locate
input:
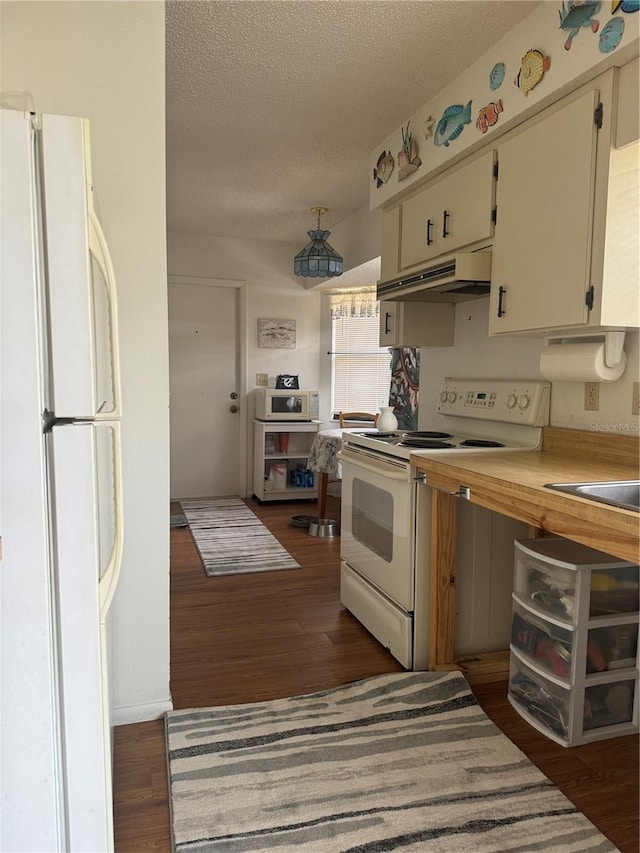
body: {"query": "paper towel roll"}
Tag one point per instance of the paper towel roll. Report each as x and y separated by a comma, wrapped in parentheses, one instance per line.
(583, 362)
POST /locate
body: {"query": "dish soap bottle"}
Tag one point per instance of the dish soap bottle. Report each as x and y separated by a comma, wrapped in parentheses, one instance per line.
(387, 421)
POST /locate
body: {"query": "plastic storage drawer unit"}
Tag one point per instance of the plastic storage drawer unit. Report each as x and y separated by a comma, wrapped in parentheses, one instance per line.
(553, 647)
(572, 715)
(560, 578)
(574, 641)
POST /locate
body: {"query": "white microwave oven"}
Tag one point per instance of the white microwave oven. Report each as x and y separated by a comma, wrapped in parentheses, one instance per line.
(274, 404)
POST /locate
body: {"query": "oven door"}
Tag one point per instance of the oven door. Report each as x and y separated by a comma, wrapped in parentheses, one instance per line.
(377, 524)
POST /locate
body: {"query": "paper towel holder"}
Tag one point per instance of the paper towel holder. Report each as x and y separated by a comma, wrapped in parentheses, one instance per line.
(613, 344)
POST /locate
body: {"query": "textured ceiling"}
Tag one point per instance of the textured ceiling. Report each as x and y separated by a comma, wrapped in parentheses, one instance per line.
(274, 106)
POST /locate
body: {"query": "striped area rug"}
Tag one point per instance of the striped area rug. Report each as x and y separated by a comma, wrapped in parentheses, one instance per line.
(407, 761)
(232, 540)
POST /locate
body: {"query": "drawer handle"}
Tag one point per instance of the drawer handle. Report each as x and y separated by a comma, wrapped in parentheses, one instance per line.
(501, 292)
(445, 223)
(429, 227)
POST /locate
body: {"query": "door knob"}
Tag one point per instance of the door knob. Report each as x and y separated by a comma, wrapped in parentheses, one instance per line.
(233, 396)
(234, 409)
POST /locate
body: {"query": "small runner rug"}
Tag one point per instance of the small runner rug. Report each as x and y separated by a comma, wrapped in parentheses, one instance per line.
(407, 761)
(232, 540)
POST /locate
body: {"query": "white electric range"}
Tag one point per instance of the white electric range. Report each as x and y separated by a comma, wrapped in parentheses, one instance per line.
(475, 415)
(385, 524)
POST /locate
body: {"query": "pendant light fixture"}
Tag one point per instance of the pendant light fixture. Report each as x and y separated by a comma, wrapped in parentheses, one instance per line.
(318, 258)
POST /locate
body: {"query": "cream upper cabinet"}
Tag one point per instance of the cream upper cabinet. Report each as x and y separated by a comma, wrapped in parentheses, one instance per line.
(416, 324)
(390, 243)
(628, 122)
(453, 213)
(567, 219)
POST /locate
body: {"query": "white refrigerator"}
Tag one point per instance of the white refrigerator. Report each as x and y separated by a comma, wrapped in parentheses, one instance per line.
(60, 489)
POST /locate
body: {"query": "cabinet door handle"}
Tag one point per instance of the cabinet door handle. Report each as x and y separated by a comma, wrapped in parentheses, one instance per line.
(429, 227)
(387, 327)
(501, 292)
(463, 492)
(445, 223)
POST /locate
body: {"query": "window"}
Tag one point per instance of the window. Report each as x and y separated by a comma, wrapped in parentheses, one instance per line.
(360, 368)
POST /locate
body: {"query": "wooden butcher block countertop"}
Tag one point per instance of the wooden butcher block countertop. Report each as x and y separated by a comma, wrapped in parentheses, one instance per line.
(512, 483)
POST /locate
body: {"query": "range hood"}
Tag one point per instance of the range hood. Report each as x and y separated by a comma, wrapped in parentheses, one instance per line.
(466, 275)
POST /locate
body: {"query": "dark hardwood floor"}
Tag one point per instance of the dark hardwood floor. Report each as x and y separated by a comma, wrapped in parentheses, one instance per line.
(262, 636)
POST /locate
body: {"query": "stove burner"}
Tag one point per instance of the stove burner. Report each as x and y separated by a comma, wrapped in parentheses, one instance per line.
(424, 443)
(374, 434)
(427, 434)
(480, 442)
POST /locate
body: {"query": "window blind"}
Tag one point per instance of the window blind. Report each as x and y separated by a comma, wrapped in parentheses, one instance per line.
(361, 369)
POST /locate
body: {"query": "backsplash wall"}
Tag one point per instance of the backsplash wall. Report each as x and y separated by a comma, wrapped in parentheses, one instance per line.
(511, 357)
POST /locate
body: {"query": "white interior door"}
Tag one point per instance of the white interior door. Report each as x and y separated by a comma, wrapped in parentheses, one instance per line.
(203, 374)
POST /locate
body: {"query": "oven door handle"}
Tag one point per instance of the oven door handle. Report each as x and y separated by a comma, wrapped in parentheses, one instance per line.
(390, 469)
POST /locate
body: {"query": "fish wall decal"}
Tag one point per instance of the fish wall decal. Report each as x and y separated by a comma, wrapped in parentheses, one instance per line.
(383, 168)
(533, 66)
(488, 116)
(625, 6)
(452, 123)
(496, 75)
(611, 35)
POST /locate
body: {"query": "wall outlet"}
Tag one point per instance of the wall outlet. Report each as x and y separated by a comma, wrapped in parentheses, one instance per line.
(262, 379)
(635, 399)
(591, 396)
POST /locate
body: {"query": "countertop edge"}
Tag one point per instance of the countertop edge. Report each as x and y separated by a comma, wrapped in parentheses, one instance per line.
(513, 484)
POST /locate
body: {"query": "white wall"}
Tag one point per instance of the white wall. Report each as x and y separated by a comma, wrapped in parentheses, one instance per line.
(272, 290)
(357, 238)
(475, 355)
(106, 61)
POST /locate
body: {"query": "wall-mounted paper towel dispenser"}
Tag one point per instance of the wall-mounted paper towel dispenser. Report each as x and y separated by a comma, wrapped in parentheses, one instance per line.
(594, 359)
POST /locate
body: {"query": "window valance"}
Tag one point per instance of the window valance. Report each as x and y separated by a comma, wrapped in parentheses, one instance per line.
(354, 302)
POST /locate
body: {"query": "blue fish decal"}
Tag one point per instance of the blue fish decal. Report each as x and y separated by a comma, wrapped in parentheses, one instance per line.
(452, 123)
(496, 76)
(626, 6)
(611, 35)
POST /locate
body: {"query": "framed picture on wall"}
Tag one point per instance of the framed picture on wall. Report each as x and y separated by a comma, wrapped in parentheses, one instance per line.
(277, 334)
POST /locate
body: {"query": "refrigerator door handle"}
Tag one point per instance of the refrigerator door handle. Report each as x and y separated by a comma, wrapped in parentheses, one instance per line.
(109, 578)
(100, 250)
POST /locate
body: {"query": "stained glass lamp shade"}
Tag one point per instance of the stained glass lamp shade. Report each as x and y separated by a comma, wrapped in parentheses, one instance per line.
(318, 258)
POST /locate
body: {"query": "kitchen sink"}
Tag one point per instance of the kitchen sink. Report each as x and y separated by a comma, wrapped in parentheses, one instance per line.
(622, 493)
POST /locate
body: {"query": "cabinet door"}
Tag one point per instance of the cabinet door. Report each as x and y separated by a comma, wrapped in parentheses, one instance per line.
(542, 244)
(390, 324)
(421, 224)
(451, 214)
(390, 246)
(416, 324)
(628, 117)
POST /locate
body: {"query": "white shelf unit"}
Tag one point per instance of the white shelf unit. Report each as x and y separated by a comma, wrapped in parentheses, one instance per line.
(300, 435)
(574, 641)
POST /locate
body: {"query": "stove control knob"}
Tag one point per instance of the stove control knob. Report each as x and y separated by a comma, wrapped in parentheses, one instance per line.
(443, 396)
(523, 401)
(452, 396)
(511, 401)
